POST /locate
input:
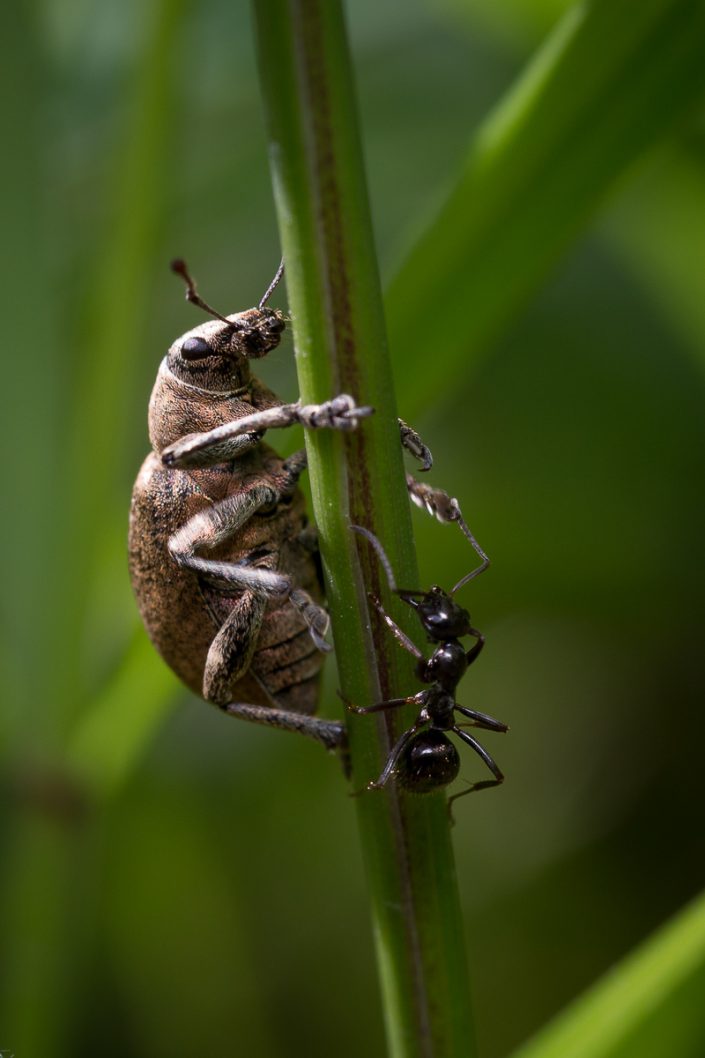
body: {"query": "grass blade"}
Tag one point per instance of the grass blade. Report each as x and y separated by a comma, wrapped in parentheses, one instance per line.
(610, 81)
(645, 1008)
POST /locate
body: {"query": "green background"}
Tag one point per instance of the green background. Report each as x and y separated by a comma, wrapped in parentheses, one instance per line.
(173, 883)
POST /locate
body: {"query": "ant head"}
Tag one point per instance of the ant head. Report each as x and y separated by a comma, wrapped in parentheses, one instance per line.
(429, 762)
(214, 355)
(440, 616)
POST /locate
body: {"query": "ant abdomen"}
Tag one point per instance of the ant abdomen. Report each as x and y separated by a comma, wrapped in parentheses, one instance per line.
(428, 763)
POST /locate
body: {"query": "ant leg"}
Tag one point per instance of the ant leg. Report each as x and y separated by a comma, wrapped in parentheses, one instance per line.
(482, 719)
(395, 754)
(473, 652)
(390, 703)
(401, 637)
(481, 752)
(484, 785)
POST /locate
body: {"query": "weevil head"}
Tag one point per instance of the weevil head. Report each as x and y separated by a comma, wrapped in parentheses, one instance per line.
(215, 355)
(205, 378)
(439, 614)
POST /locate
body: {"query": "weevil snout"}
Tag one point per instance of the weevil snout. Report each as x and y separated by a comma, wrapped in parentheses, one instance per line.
(257, 331)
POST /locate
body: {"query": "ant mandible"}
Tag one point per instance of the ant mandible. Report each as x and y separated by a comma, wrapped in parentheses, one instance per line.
(424, 759)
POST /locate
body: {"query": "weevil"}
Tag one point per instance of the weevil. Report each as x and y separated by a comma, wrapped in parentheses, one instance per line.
(424, 759)
(223, 562)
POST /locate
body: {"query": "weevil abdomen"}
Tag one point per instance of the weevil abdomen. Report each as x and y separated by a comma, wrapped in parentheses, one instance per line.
(183, 612)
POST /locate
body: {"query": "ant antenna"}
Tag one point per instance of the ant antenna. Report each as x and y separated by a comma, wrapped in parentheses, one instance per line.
(179, 267)
(270, 289)
(465, 528)
(386, 564)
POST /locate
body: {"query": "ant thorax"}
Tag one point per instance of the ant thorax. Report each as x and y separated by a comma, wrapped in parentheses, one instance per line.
(439, 706)
(446, 666)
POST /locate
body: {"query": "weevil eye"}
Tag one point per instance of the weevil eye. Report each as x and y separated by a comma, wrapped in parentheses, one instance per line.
(195, 349)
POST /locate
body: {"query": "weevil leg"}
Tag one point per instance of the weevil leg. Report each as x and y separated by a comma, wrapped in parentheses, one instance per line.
(340, 413)
(308, 538)
(331, 733)
(412, 442)
(216, 524)
(212, 455)
(481, 719)
(230, 653)
(401, 637)
(394, 756)
(292, 469)
(224, 442)
(435, 501)
(446, 509)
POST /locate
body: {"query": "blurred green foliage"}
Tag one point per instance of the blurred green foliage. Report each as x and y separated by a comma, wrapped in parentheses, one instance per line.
(172, 883)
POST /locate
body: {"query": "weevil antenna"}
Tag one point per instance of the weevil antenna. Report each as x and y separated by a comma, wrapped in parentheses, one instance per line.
(272, 286)
(465, 528)
(386, 564)
(179, 267)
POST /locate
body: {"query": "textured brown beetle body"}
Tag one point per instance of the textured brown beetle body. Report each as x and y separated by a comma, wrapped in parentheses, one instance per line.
(182, 612)
(223, 564)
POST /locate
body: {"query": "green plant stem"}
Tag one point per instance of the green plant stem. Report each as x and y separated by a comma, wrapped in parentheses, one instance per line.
(340, 340)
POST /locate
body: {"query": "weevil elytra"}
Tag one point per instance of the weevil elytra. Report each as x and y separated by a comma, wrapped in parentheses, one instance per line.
(424, 759)
(222, 559)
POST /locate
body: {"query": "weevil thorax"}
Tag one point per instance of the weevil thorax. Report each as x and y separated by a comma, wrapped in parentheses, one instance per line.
(205, 378)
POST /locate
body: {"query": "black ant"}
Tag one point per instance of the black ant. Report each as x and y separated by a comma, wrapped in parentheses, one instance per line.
(424, 759)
